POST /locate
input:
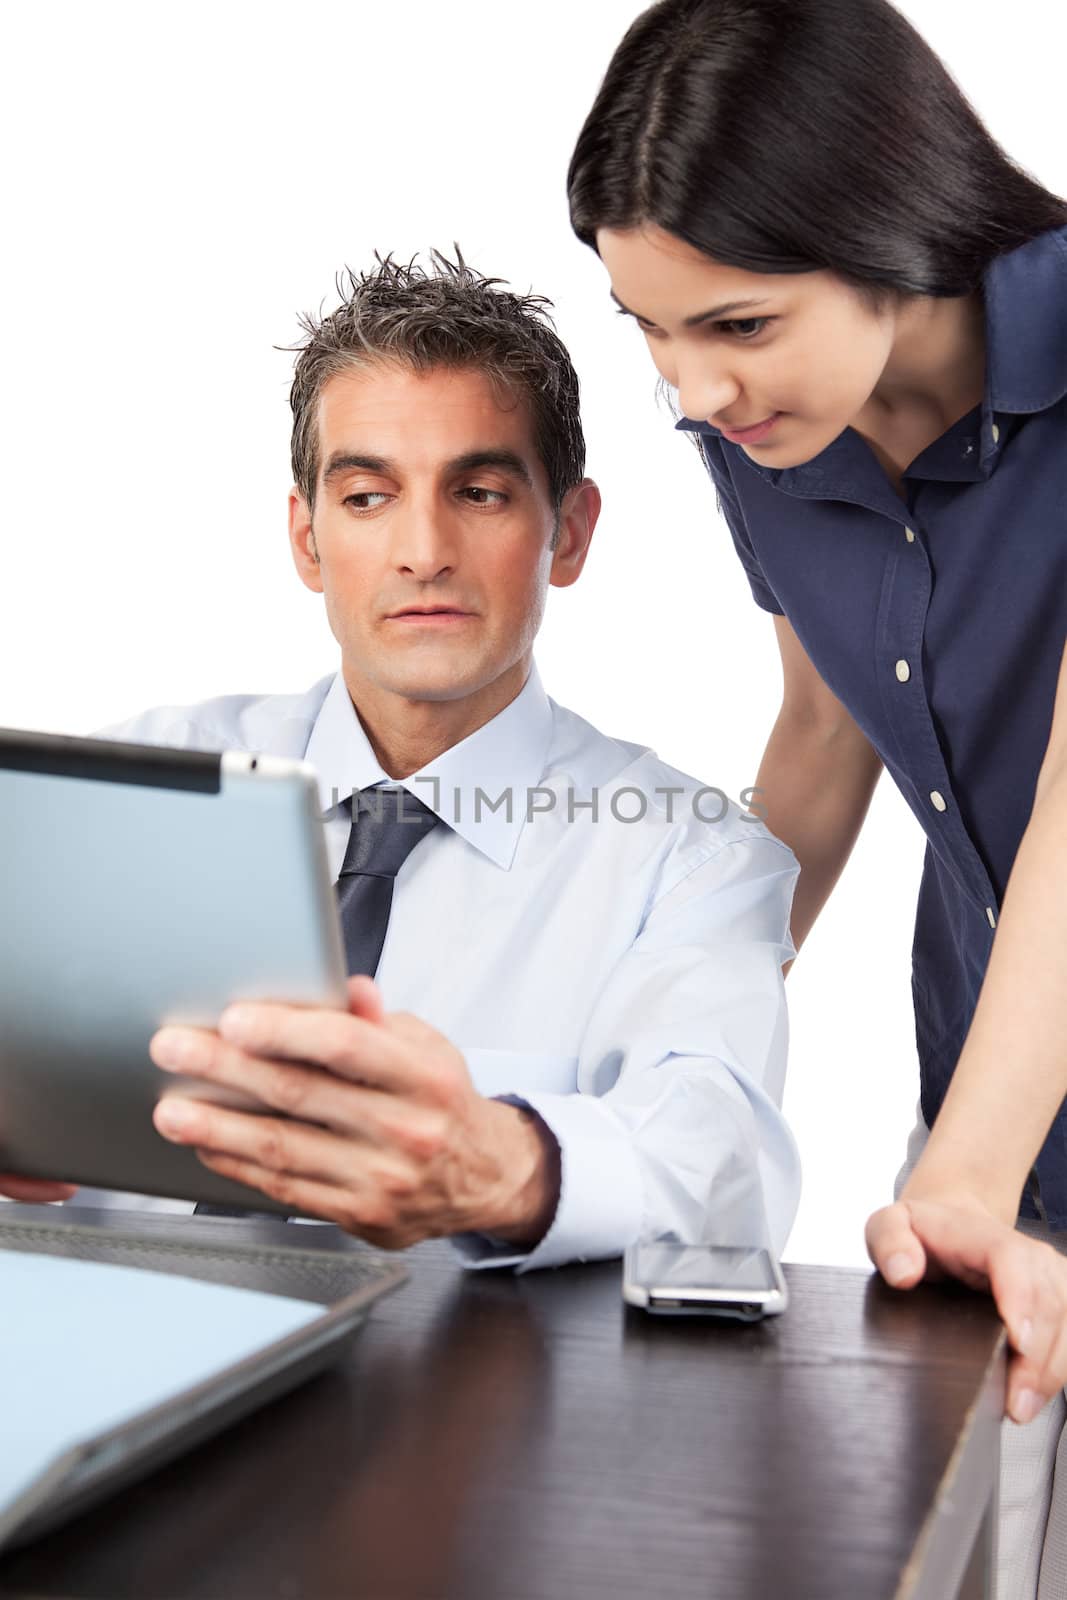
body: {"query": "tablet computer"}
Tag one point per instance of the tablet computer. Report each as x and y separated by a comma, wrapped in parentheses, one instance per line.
(141, 885)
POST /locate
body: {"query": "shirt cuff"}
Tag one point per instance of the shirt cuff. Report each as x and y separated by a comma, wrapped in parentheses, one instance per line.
(600, 1198)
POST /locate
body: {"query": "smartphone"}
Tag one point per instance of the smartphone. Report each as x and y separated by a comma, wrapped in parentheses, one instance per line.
(710, 1280)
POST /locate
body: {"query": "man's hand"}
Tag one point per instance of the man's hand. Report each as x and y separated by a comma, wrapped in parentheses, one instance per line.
(34, 1191)
(383, 1131)
(932, 1235)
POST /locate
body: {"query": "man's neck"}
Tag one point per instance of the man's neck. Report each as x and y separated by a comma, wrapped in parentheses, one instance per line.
(407, 734)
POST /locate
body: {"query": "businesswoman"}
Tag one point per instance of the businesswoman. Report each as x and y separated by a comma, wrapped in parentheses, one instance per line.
(862, 305)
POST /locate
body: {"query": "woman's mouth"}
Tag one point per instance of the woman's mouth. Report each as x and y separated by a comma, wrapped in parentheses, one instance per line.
(754, 434)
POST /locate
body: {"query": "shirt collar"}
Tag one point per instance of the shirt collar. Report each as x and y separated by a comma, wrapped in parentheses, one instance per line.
(1025, 293)
(504, 756)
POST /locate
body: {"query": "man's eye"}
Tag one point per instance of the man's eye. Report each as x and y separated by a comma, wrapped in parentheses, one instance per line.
(365, 499)
(759, 323)
(483, 497)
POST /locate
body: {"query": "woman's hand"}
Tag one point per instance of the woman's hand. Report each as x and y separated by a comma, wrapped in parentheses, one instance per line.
(936, 1235)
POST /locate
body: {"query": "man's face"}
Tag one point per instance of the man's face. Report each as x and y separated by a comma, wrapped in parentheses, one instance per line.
(808, 348)
(433, 527)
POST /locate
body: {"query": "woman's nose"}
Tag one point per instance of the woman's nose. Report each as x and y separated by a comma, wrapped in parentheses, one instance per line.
(705, 392)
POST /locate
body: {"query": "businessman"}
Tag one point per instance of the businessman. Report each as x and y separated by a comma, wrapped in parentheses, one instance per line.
(566, 1024)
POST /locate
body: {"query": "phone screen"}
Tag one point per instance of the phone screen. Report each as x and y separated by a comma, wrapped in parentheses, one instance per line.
(743, 1269)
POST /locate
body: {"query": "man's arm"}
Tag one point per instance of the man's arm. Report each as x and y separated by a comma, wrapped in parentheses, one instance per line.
(688, 1038)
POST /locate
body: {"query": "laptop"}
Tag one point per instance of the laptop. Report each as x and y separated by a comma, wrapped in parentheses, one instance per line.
(137, 1336)
(140, 885)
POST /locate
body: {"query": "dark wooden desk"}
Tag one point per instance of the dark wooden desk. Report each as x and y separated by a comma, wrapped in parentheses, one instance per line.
(492, 1437)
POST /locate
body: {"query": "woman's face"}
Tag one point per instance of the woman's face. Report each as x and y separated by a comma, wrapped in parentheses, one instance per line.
(807, 346)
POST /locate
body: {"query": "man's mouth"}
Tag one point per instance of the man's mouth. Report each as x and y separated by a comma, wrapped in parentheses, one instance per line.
(430, 611)
(430, 614)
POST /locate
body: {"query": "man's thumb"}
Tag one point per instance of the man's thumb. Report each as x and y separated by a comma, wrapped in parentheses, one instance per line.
(365, 998)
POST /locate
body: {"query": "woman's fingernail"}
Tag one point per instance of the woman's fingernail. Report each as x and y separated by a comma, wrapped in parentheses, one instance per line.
(899, 1267)
(1027, 1405)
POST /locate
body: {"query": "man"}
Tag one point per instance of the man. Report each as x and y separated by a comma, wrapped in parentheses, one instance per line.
(582, 954)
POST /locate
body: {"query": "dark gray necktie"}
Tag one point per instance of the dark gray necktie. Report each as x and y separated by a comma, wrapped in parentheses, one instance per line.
(387, 825)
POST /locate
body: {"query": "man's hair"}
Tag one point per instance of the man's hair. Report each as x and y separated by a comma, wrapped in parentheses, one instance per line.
(442, 315)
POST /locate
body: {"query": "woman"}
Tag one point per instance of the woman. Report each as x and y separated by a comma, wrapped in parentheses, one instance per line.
(862, 305)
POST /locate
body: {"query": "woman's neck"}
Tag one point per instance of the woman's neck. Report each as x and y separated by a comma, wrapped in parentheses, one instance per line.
(936, 368)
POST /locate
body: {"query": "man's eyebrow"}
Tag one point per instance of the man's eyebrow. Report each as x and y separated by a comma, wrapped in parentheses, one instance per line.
(505, 460)
(346, 461)
(700, 316)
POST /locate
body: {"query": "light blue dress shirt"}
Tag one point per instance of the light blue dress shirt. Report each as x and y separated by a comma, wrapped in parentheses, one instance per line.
(608, 947)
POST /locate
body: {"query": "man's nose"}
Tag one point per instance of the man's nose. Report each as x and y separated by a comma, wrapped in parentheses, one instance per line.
(424, 542)
(705, 392)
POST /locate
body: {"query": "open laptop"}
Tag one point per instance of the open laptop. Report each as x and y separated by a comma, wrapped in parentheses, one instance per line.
(138, 1336)
(139, 885)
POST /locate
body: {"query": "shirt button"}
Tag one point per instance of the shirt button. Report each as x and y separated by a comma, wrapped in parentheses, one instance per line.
(996, 434)
(937, 800)
(989, 914)
(909, 536)
(903, 671)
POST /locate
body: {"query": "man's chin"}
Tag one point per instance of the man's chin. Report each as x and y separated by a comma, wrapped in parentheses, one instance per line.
(432, 675)
(437, 685)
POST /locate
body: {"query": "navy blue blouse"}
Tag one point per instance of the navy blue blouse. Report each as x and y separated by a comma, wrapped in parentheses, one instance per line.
(939, 621)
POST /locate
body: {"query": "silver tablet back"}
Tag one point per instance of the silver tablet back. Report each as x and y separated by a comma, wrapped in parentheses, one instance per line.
(141, 885)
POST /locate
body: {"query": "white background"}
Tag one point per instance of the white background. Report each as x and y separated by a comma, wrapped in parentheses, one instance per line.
(180, 182)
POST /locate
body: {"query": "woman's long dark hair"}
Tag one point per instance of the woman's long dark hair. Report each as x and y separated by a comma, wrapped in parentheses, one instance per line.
(796, 135)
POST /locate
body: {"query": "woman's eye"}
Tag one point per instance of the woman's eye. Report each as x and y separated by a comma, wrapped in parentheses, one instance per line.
(758, 323)
(737, 328)
(483, 497)
(365, 499)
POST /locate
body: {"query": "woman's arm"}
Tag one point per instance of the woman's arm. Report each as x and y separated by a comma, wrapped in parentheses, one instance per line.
(815, 781)
(957, 1210)
(1011, 1078)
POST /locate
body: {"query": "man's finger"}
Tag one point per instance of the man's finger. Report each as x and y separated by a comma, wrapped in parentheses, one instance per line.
(309, 1093)
(277, 1145)
(34, 1191)
(347, 1045)
(294, 1149)
(895, 1248)
(364, 1215)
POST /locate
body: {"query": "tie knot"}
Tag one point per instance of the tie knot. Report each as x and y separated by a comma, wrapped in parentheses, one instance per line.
(387, 824)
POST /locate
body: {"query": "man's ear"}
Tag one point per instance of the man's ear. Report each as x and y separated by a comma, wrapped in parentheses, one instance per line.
(302, 541)
(577, 518)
